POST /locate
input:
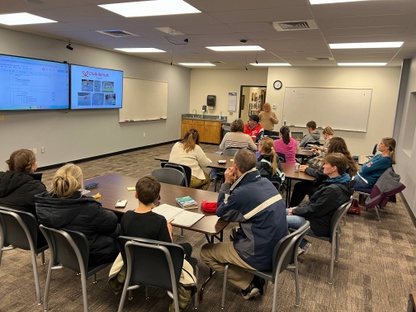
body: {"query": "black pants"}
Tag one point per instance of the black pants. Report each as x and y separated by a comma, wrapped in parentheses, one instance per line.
(300, 190)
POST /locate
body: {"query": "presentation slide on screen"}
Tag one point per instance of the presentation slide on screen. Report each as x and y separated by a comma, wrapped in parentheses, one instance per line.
(96, 88)
(32, 84)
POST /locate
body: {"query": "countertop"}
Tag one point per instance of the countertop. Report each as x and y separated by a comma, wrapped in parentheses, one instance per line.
(204, 117)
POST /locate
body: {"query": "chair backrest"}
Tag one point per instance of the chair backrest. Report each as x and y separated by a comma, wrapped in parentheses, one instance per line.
(374, 151)
(284, 251)
(170, 176)
(19, 228)
(230, 151)
(187, 171)
(69, 248)
(282, 157)
(336, 218)
(151, 262)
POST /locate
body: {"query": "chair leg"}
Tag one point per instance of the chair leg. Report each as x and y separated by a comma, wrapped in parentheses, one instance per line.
(36, 277)
(224, 286)
(377, 213)
(332, 262)
(196, 295)
(297, 303)
(47, 287)
(84, 291)
(42, 257)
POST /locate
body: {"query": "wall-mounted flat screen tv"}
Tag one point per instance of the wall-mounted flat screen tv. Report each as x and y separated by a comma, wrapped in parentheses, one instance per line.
(33, 84)
(96, 88)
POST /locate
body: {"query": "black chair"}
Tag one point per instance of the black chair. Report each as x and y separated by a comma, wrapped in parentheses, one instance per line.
(20, 230)
(151, 263)
(187, 171)
(69, 249)
(282, 157)
(170, 176)
(375, 148)
(333, 239)
(285, 256)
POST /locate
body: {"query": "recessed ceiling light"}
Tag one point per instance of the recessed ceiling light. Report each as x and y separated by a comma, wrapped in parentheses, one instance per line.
(270, 64)
(196, 64)
(23, 18)
(150, 8)
(236, 48)
(366, 45)
(362, 64)
(313, 2)
(140, 50)
(170, 31)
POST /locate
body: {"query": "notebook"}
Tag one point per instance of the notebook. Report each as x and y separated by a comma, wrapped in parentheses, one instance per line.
(181, 217)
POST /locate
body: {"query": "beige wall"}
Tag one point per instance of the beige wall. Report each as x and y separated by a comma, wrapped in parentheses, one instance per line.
(406, 147)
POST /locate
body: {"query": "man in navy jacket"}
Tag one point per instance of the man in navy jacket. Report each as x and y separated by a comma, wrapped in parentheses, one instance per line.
(255, 203)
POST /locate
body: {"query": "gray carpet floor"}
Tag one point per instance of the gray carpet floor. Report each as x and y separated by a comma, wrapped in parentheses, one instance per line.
(375, 273)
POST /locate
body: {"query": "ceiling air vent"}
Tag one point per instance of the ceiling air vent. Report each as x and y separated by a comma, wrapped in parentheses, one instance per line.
(118, 33)
(295, 25)
(313, 58)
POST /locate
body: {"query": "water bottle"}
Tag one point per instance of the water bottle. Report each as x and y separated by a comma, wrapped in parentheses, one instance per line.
(297, 167)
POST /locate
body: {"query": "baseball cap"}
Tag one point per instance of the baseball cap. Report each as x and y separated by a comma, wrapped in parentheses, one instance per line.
(254, 118)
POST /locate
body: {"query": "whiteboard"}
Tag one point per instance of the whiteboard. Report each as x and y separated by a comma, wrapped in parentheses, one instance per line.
(341, 108)
(143, 100)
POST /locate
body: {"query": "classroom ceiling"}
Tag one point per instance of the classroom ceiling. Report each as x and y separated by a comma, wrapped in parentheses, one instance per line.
(227, 22)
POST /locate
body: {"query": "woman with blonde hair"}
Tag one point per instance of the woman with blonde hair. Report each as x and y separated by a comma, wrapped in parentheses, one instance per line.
(268, 118)
(66, 208)
(188, 152)
(328, 134)
(20, 184)
(268, 163)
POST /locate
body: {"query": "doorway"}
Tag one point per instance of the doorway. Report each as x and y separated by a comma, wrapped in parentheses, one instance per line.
(252, 99)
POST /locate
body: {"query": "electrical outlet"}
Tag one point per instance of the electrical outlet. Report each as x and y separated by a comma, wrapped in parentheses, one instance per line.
(144, 134)
(35, 150)
(42, 150)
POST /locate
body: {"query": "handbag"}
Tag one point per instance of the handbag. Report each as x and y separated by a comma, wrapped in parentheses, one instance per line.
(355, 208)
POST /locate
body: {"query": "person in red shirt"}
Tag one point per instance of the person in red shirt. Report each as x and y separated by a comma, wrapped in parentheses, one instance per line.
(253, 128)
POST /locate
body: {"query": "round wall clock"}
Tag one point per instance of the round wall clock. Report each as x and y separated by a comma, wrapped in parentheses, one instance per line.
(277, 84)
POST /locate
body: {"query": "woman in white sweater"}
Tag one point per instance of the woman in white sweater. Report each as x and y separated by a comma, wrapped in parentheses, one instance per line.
(189, 153)
(236, 138)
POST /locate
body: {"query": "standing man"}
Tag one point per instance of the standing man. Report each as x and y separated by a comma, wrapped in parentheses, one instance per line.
(254, 202)
(253, 128)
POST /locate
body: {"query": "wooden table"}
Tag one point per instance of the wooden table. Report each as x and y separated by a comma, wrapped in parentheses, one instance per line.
(214, 158)
(304, 153)
(113, 187)
(289, 170)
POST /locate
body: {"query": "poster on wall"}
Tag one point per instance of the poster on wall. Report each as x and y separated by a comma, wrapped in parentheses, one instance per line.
(232, 101)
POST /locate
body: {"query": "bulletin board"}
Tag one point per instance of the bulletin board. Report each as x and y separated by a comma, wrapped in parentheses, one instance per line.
(143, 100)
(341, 108)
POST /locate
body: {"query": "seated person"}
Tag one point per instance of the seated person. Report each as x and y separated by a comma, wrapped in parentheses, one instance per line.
(239, 199)
(144, 223)
(320, 208)
(286, 145)
(20, 184)
(268, 163)
(328, 134)
(188, 152)
(66, 208)
(312, 136)
(374, 168)
(236, 138)
(253, 128)
(268, 118)
(303, 188)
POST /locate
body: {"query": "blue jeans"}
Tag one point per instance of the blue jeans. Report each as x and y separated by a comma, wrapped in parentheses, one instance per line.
(213, 173)
(295, 222)
(361, 186)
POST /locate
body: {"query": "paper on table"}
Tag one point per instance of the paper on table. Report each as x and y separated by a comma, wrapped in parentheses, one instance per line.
(181, 217)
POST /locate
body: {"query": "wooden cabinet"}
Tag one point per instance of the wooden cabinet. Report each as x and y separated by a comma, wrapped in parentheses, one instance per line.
(209, 131)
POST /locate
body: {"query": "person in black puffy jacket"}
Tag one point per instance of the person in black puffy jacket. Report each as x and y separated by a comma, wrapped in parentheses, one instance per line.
(20, 184)
(66, 208)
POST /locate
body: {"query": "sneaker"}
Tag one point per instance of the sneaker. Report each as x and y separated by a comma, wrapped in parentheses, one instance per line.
(250, 292)
(304, 250)
(260, 283)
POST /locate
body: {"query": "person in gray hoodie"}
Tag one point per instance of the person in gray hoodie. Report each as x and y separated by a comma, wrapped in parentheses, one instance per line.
(313, 135)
